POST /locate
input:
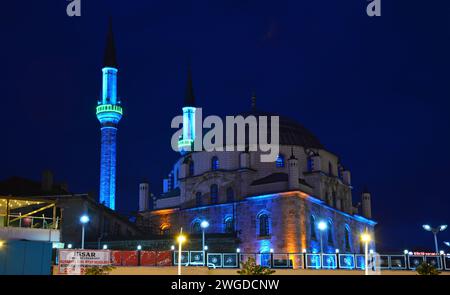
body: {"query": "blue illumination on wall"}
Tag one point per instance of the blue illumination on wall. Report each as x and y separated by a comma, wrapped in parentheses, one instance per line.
(109, 119)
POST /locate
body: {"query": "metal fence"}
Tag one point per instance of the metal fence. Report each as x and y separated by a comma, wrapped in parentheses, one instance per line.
(311, 260)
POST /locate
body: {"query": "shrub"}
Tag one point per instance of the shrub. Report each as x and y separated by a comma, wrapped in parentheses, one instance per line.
(426, 269)
(98, 270)
(251, 268)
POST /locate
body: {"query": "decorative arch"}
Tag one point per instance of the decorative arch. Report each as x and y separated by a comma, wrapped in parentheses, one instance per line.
(330, 239)
(312, 227)
(196, 226)
(347, 236)
(228, 224)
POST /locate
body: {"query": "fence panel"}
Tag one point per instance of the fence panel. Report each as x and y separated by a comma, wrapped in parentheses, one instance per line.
(230, 260)
(163, 258)
(148, 258)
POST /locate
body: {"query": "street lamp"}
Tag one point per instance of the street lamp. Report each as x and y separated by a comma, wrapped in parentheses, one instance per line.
(447, 243)
(435, 231)
(204, 225)
(180, 239)
(83, 219)
(139, 247)
(105, 247)
(322, 226)
(365, 237)
(69, 246)
(2, 244)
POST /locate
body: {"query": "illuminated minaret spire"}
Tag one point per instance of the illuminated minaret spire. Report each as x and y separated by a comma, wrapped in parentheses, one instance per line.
(109, 113)
(186, 142)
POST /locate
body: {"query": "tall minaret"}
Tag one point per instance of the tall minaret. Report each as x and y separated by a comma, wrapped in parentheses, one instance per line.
(186, 142)
(109, 113)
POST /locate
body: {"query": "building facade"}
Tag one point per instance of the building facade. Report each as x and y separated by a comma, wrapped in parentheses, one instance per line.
(263, 205)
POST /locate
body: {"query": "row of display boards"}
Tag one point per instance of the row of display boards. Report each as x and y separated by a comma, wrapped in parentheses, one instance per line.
(76, 261)
(312, 261)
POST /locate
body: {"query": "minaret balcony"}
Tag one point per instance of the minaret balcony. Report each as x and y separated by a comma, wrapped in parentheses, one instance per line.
(108, 108)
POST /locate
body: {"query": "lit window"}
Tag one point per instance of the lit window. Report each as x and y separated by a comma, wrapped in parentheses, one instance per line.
(198, 198)
(280, 161)
(310, 164)
(263, 225)
(230, 194)
(229, 226)
(214, 193)
(215, 163)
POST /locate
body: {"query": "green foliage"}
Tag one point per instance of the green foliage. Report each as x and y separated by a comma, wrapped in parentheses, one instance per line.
(98, 270)
(426, 269)
(251, 268)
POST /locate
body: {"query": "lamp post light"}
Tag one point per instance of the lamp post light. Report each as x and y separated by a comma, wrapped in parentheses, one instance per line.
(435, 231)
(83, 219)
(105, 247)
(69, 246)
(322, 226)
(204, 225)
(447, 244)
(180, 239)
(365, 237)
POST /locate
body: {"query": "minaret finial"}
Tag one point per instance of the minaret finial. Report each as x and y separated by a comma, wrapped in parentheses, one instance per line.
(253, 101)
(189, 100)
(110, 48)
(292, 153)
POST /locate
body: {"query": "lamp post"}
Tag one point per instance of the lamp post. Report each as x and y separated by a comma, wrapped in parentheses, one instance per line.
(435, 231)
(204, 225)
(322, 226)
(83, 219)
(180, 239)
(365, 237)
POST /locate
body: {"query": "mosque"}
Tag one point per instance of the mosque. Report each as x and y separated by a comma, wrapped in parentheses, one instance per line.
(264, 206)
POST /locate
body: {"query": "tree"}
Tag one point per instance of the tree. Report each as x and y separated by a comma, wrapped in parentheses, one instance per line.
(251, 268)
(426, 269)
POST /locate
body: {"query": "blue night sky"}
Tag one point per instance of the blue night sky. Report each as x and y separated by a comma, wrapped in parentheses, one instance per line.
(374, 90)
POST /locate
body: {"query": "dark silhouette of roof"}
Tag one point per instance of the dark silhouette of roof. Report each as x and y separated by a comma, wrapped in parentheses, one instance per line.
(19, 186)
(189, 100)
(110, 49)
(274, 177)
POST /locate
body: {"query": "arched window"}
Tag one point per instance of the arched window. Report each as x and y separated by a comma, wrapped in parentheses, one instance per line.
(164, 229)
(191, 168)
(198, 198)
(330, 232)
(263, 225)
(214, 193)
(347, 245)
(196, 227)
(230, 194)
(214, 163)
(229, 225)
(280, 161)
(312, 226)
